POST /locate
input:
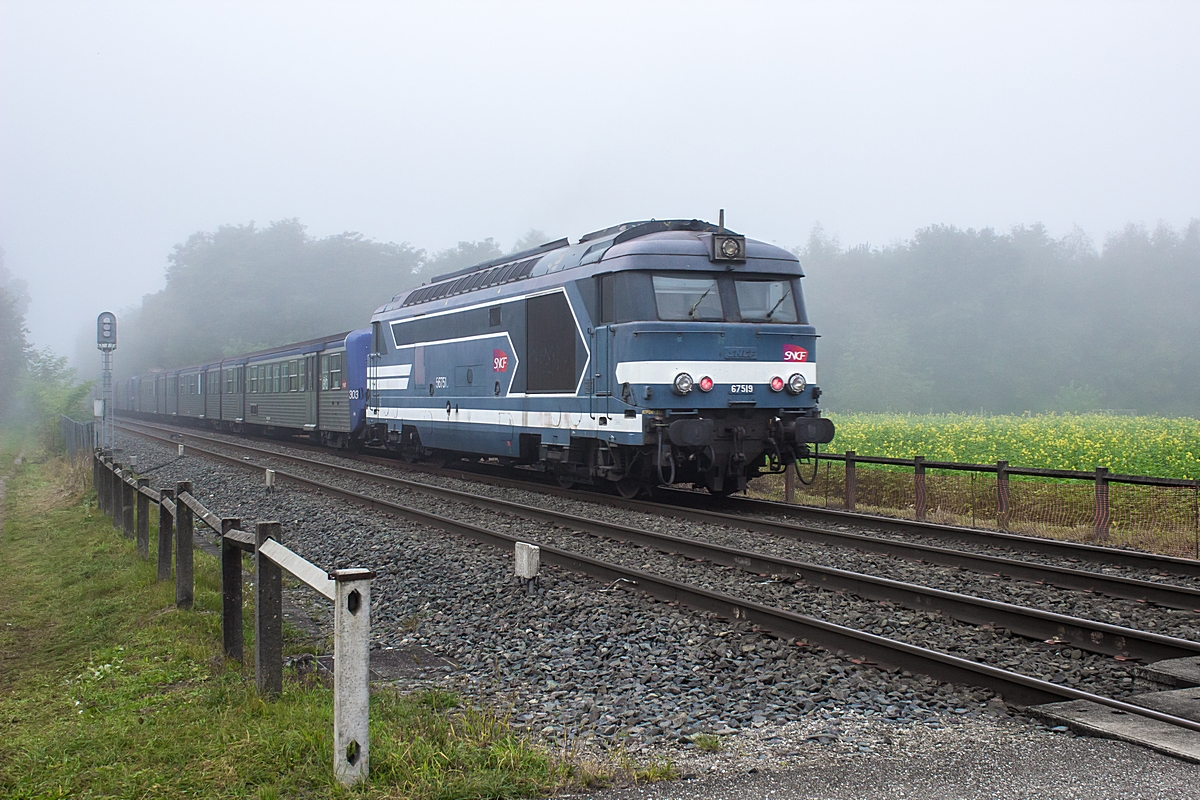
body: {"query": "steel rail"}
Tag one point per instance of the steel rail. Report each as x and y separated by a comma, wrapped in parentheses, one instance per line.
(1088, 635)
(1034, 544)
(877, 650)
(1164, 594)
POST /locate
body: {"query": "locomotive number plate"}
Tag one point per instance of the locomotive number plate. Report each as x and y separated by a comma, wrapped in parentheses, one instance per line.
(741, 388)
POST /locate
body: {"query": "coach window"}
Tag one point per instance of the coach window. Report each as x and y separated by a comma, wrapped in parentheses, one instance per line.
(335, 370)
(687, 298)
(324, 373)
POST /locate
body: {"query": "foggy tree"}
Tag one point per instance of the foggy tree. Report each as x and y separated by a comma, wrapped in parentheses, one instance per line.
(964, 320)
(530, 240)
(456, 258)
(14, 347)
(243, 288)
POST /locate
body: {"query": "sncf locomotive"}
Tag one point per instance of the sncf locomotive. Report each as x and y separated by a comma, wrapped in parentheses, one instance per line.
(649, 353)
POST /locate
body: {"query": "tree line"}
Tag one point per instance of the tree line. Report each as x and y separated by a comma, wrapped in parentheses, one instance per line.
(965, 321)
(950, 320)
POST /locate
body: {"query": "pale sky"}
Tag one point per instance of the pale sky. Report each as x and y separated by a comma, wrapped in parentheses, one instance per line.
(126, 127)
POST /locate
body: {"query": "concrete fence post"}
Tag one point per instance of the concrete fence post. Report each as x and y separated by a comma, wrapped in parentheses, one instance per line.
(921, 505)
(1002, 496)
(1102, 508)
(231, 591)
(268, 614)
(184, 576)
(351, 674)
(851, 481)
(166, 534)
(143, 518)
(789, 482)
(127, 506)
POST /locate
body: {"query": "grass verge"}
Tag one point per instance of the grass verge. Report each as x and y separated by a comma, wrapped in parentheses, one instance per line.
(106, 690)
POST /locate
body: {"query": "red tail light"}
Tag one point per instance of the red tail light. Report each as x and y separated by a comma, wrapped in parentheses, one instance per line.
(777, 384)
(706, 384)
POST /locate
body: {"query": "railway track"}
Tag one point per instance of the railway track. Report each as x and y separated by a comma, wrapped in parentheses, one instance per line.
(1017, 688)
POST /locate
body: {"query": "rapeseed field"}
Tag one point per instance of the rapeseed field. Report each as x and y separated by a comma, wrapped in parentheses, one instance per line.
(1165, 447)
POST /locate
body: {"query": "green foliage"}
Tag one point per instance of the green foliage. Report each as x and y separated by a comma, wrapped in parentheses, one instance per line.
(50, 388)
(1159, 446)
(106, 690)
(962, 320)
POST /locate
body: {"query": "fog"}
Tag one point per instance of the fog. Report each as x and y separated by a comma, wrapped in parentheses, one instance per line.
(126, 128)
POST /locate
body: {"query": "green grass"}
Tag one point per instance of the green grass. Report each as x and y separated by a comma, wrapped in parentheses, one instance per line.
(107, 691)
(1160, 446)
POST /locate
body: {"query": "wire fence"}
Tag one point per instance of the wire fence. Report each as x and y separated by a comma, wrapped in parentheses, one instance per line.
(1160, 515)
(78, 437)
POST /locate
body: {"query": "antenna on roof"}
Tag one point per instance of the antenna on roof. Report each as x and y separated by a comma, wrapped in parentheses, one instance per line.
(721, 221)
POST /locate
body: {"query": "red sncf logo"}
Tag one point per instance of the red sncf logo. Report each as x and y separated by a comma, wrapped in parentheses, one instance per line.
(793, 352)
(499, 361)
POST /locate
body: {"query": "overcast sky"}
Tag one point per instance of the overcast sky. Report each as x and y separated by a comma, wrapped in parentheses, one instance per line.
(125, 127)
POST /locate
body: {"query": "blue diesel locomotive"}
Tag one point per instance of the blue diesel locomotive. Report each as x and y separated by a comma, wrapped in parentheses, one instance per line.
(649, 353)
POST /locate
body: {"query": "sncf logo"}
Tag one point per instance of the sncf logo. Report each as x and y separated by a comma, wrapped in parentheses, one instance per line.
(792, 352)
(499, 361)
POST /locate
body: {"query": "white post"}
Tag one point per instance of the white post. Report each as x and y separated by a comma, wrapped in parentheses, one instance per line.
(529, 561)
(181, 449)
(270, 479)
(351, 674)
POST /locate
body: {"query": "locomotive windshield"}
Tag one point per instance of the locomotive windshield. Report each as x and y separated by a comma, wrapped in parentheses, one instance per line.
(687, 298)
(766, 301)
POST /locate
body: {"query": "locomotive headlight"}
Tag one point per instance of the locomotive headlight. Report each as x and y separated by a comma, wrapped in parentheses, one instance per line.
(797, 384)
(706, 384)
(729, 248)
(683, 383)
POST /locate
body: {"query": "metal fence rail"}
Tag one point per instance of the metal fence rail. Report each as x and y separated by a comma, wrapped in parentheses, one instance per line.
(1157, 514)
(127, 498)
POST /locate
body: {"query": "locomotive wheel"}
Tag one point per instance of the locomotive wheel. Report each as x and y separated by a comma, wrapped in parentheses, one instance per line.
(565, 481)
(629, 488)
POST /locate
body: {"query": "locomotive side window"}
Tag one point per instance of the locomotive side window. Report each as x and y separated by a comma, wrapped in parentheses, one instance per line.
(766, 301)
(550, 348)
(687, 298)
(606, 298)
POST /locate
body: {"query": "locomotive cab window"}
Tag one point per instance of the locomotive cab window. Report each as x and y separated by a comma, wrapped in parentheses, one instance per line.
(687, 298)
(766, 301)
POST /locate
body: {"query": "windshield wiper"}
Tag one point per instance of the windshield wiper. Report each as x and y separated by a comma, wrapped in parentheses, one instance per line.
(692, 311)
(775, 307)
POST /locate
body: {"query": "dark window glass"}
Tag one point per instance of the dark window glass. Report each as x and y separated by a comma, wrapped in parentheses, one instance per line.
(606, 298)
(550, 345)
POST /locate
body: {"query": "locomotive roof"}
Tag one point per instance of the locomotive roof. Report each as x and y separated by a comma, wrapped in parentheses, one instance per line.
(644, 238)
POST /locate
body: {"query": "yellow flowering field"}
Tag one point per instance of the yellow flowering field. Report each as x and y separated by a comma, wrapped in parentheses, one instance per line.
(1165, 447)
